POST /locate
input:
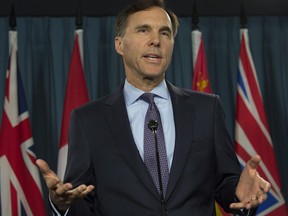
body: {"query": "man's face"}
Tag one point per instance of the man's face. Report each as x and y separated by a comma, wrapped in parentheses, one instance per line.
(146, 46)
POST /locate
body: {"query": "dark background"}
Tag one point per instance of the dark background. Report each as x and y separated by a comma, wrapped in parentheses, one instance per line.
(112, 7)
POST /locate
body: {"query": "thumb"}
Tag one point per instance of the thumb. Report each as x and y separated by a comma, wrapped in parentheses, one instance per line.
(49, 176)
(43, 167)
(254, 161)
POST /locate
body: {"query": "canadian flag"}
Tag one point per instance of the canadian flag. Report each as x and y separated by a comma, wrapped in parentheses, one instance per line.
(76, 95)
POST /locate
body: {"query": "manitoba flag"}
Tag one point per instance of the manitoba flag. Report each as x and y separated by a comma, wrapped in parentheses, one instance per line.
(76, 95)
(252, 132)
(19, 177)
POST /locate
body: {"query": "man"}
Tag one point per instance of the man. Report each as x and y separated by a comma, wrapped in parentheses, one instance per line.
(107, 171)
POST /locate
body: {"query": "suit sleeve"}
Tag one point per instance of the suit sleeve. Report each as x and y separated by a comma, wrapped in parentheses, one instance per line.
(228, 166)
(79, 168)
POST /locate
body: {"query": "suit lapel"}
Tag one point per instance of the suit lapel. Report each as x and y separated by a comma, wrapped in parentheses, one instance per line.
(184, 121)
(118, 122)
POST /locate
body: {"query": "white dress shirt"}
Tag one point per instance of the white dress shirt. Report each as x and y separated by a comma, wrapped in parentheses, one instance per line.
(137, 109)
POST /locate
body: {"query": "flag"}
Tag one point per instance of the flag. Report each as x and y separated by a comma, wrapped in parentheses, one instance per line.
(201, 80)
(76, 95)
(252, 132)
(19, 177)
(200, 73)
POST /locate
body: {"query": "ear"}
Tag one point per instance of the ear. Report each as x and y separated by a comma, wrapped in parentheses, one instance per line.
(118, 45)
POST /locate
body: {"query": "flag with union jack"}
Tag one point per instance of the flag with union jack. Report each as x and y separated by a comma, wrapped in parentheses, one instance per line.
(252, 134)
(19, 177)
(201, 80)
(76, 95)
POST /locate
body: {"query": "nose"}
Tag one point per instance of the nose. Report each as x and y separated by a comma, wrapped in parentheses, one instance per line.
(155, 40)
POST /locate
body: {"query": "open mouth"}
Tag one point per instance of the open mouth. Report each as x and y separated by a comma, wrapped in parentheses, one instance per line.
(152, 57)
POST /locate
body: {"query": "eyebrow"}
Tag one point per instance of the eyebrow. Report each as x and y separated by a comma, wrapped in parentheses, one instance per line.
(146, 26)
(142, 26)
(166, 28)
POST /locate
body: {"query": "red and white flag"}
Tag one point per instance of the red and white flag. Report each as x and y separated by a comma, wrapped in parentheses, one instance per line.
(201, 80)
(19, 177)
(252, 132)
(76, 95)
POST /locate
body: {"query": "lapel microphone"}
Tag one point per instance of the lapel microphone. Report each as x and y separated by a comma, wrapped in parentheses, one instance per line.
(153, 125)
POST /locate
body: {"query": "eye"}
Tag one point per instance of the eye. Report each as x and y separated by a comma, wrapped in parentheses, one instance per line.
(143, 30)
(166, 33)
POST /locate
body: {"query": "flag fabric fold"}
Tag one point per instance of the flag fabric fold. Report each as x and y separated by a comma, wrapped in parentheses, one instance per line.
(252, 131)
(75, 96)
(21, 192)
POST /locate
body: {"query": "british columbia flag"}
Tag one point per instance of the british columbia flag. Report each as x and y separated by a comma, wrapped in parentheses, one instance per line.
(252, 134)
(19, 177)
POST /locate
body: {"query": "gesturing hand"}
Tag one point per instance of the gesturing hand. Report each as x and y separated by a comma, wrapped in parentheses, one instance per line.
(62, 195)
(252, 188)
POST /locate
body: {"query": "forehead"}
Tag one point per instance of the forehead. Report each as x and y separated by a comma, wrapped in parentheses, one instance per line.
(151, 16)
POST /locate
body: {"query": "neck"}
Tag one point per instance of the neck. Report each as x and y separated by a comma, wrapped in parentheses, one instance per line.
(146, 85)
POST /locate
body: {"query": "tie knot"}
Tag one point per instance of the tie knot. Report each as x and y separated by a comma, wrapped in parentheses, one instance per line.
(148, 97)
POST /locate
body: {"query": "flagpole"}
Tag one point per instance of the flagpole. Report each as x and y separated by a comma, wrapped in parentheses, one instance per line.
(12, 23)
(243, 17)
(79, 30)
(12, 20)
(195, 18)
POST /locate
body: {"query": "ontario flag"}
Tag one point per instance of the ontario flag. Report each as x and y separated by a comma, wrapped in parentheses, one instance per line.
(19, 177)
(200, 72)
(201, 79)
(76, 95)
(252, 132)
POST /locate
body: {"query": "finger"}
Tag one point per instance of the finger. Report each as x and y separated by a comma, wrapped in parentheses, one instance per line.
(238, 205)
(80, 191)
(62, 190)
(254, 161)
(44, 167)
(262, 198)
(86, 191)
(253, 202)
(83, 189)
(52, 180)
(265, 186)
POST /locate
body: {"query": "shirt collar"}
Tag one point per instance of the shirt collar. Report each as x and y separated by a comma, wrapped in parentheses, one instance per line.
(131, 93)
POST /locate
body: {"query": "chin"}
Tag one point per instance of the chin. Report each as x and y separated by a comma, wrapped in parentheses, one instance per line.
(154, 76)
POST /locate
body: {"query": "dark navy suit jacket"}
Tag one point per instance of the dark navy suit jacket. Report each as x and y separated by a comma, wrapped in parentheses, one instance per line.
(102, 152)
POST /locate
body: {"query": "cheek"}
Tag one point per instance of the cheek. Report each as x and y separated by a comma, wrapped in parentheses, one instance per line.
(169, 52)
(130, 50)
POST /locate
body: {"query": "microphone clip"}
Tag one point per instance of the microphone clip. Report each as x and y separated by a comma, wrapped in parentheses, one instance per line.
(153, 125)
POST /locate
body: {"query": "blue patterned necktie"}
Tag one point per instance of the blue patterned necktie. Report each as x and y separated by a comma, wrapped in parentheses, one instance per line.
(150, 145)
